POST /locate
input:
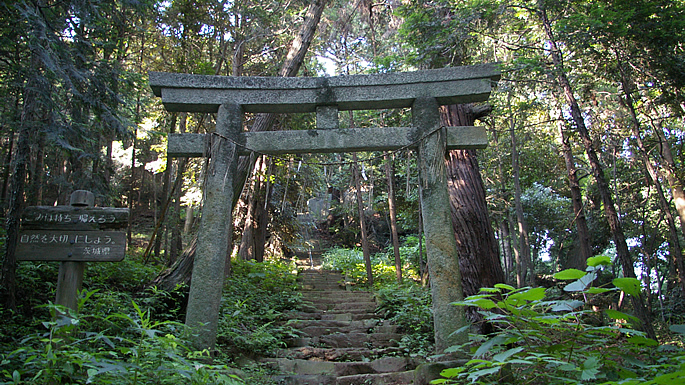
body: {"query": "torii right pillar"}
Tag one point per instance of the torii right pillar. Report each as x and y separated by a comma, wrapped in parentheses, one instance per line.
(441, 245)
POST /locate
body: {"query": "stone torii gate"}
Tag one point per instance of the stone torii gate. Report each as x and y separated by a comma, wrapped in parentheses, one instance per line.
(231, 97)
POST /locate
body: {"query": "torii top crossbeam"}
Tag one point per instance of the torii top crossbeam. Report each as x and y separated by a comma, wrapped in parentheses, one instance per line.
(204, 93)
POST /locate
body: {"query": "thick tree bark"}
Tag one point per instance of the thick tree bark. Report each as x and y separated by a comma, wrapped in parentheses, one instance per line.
(598, 172)
(577, 261)
(478, 254)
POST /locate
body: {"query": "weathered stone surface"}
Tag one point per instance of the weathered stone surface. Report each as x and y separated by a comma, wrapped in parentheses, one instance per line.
(212, 244)
(441, 247)
(326, 141)
(427, 372)
(398, 378)
(327, 118)
(203, 93)
(304, 379)
(351, 345)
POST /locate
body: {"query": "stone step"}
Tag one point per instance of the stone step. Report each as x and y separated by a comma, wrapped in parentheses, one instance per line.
(336, 354)
(348, 315)
(397, 378)
(337, 294)
(353, 340)
(340, 369)
(304, 379)
(347, 340)
(361, 324)
(345, 306)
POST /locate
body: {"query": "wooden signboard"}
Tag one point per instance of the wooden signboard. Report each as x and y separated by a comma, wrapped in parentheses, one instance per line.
(77, 234)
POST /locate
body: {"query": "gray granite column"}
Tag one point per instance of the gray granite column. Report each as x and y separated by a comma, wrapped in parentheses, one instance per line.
(212, 243)
(441, 246)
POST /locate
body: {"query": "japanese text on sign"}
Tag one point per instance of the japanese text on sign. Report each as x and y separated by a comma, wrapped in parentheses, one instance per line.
(74, 218)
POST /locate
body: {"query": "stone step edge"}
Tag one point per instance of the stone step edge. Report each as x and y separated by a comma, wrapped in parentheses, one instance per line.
(391, 364)
(405, 378)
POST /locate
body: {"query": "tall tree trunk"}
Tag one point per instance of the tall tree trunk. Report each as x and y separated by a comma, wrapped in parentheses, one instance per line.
(390, 175)
(674, 182)
(597, 171)
(6, 171)
(248, 243)
(478, 254)
(507, 254)
(174, 221)
(577, 261)
(362, 221)
(166, 186)
(290, 68)
(263, 122)
(675, 250)
(29, 118)
(525, 272)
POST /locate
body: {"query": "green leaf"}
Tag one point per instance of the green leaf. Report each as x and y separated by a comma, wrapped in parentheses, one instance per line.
(533, 294)
(590, 368)
(489, 290)
(680, 329)
(497, 340)
(599, 260)
(484, 303)
(642, 341)
(582, 283)
(451, 372)
(567, 305)
(615, 314)
(501, 357)
(484, 372)
(505, 287)
(629, 285)
(675, 378)
(598, 290)
(569, 274)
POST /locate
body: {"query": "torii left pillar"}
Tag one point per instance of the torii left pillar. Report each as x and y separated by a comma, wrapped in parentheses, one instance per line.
(212, 246)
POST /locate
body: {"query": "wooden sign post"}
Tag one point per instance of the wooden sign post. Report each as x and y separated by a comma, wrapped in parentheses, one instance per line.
(72, 235)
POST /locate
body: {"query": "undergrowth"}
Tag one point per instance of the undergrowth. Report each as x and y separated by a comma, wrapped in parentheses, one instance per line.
(543, 341)
(124, 333)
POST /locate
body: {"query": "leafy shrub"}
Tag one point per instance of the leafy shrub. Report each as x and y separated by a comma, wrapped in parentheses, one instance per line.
(541, 341)
(409, 307)
(351, 263)
(149, 353)
(253, 302)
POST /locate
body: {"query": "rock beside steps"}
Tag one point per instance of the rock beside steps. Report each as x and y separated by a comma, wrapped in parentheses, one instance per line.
(343, 341)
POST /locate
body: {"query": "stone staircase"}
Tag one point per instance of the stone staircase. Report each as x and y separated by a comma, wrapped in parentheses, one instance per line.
(343, 341)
